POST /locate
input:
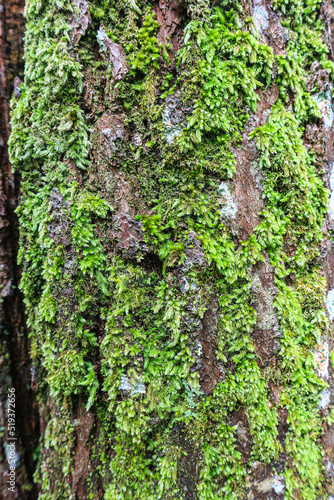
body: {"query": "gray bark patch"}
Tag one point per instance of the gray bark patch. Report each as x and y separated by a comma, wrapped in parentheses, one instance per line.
(114, 53)
(229, 208)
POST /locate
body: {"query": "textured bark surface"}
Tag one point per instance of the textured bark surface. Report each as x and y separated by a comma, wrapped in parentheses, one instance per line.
(176, 247)
(15, 362)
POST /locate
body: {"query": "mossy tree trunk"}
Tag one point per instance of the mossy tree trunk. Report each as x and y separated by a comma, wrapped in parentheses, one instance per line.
(15, 362)
(176, 246)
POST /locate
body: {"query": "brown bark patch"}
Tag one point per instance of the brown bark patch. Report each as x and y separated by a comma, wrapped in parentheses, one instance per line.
(114, 53)
(328, 259)
(85, 421)
(128, 235)
(265, 484)
(210, 372)
(95, 96)
(80, 20)
(244, 439)
(264, 293)
(188, 463)
(169, 17)
(268, 24)
(108, 136)
(328, 444)
(247, 193)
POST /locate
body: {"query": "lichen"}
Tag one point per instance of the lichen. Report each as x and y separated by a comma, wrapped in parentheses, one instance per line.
(228, 207)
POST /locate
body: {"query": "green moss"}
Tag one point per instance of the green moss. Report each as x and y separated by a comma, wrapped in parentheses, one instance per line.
(229, 69)
(297, 196)
(118, 333)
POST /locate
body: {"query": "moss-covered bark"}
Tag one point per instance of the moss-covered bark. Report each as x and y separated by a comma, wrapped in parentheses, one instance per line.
(175, 246)
(15, 362)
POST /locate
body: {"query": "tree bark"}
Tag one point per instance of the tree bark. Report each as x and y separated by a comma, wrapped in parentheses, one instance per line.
(176, 247)
(15, 362)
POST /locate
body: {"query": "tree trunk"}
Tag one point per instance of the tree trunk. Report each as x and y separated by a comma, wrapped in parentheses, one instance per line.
(15, 361)
(176, 247)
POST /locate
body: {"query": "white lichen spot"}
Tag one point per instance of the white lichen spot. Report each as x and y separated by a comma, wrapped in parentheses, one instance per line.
(139, 387)
(170, 129)
(324, 101)
(330, 303)
(276, 483)
(173, 117)
(321, 359)
(199, 348)
(137, 140)
(329, 466)
(279, 485)
(101, 36)
(125, 384)
(186, 286)
(136, 388)
(260, 16)
(325, 399)
(229, 207)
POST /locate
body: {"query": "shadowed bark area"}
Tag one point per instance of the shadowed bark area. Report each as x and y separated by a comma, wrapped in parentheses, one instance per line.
(15, 363)
(176, 247)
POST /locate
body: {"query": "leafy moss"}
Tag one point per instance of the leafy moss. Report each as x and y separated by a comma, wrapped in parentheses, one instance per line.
(119, 334)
